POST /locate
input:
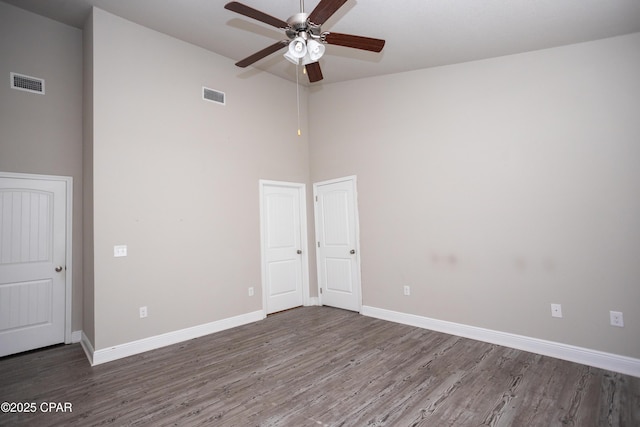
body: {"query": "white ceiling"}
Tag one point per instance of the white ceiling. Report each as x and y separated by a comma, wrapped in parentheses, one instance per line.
(419, 33)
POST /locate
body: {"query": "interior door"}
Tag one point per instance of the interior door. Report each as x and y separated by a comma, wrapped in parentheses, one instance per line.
(32, 263)
(283, 223)
(337, 241)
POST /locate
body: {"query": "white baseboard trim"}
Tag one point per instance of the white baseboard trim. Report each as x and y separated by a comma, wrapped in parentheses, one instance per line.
(97, 357)
(76, 337)
(599, 359)
(313, 301)
(87, 347)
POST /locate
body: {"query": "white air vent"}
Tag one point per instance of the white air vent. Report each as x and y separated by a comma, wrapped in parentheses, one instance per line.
(213, 95)
(27, 83)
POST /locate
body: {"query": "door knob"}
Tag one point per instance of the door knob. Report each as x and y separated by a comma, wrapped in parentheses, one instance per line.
(352, 251)
(299, 251)
(59, 269)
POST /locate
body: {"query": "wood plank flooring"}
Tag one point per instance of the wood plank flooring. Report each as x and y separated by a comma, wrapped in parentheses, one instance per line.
(319, 366)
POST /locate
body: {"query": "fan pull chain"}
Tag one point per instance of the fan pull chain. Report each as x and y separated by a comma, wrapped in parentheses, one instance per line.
(298, 98)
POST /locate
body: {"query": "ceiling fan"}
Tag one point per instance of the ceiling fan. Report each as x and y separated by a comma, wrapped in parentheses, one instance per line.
(305, 38)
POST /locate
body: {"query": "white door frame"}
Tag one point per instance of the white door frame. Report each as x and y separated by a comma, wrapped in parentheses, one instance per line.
(68, 180)
(354, 179)
(302, 188)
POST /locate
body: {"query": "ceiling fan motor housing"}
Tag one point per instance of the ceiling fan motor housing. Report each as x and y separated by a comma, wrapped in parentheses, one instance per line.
(299, 26)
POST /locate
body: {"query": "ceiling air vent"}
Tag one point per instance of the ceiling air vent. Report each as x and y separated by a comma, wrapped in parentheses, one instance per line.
(27, 83)
(213, 95)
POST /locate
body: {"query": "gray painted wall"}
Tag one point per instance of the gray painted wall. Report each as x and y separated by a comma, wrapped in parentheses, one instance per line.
(42, 134)
(176, 179)
(495, 188)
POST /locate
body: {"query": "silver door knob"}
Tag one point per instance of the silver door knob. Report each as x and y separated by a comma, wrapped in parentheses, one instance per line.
(299, 251)
(58, 269)
(352, 251)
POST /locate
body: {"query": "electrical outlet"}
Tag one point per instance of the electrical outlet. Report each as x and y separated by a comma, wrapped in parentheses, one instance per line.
(616, 318)
(407, 290)
(556, 310)
(251, 291)
(143, 312)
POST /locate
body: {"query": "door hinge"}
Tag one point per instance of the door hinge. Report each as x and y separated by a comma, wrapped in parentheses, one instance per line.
(320, 291)
(316, 198)
(318, 244)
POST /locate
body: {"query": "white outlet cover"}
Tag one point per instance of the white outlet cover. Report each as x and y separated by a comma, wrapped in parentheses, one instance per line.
(616, 318)
(556, 310)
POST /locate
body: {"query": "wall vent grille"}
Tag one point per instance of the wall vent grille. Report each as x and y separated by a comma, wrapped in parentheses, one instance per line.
(213, 96)
(27, 83)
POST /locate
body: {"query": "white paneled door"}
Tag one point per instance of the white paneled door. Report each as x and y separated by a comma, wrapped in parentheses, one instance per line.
(337, 243)
(32, 263)
(283, 224)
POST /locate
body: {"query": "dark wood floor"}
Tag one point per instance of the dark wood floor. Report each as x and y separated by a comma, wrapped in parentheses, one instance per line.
(319, 366)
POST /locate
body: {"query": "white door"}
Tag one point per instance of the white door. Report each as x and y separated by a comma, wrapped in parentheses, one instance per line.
(337, 241)
(284, 259)
(32, 263)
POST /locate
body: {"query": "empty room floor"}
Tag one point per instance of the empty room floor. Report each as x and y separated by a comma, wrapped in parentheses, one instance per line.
(318, 366)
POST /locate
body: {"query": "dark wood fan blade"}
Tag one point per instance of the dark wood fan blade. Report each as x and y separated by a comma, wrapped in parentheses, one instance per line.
(261, 54)
(356, 42)
(314, 72)
(245, 10)
(324, 10)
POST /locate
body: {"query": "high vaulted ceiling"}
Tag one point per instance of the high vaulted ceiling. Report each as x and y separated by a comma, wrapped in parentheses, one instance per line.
(419, 33)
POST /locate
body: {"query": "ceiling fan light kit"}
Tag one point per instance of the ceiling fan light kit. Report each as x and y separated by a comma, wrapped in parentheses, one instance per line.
(297, 50)
(305, 39)
(316, 50)
(301, 53)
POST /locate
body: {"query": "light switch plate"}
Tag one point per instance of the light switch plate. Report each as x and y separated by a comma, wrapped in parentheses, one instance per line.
(120, 250)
